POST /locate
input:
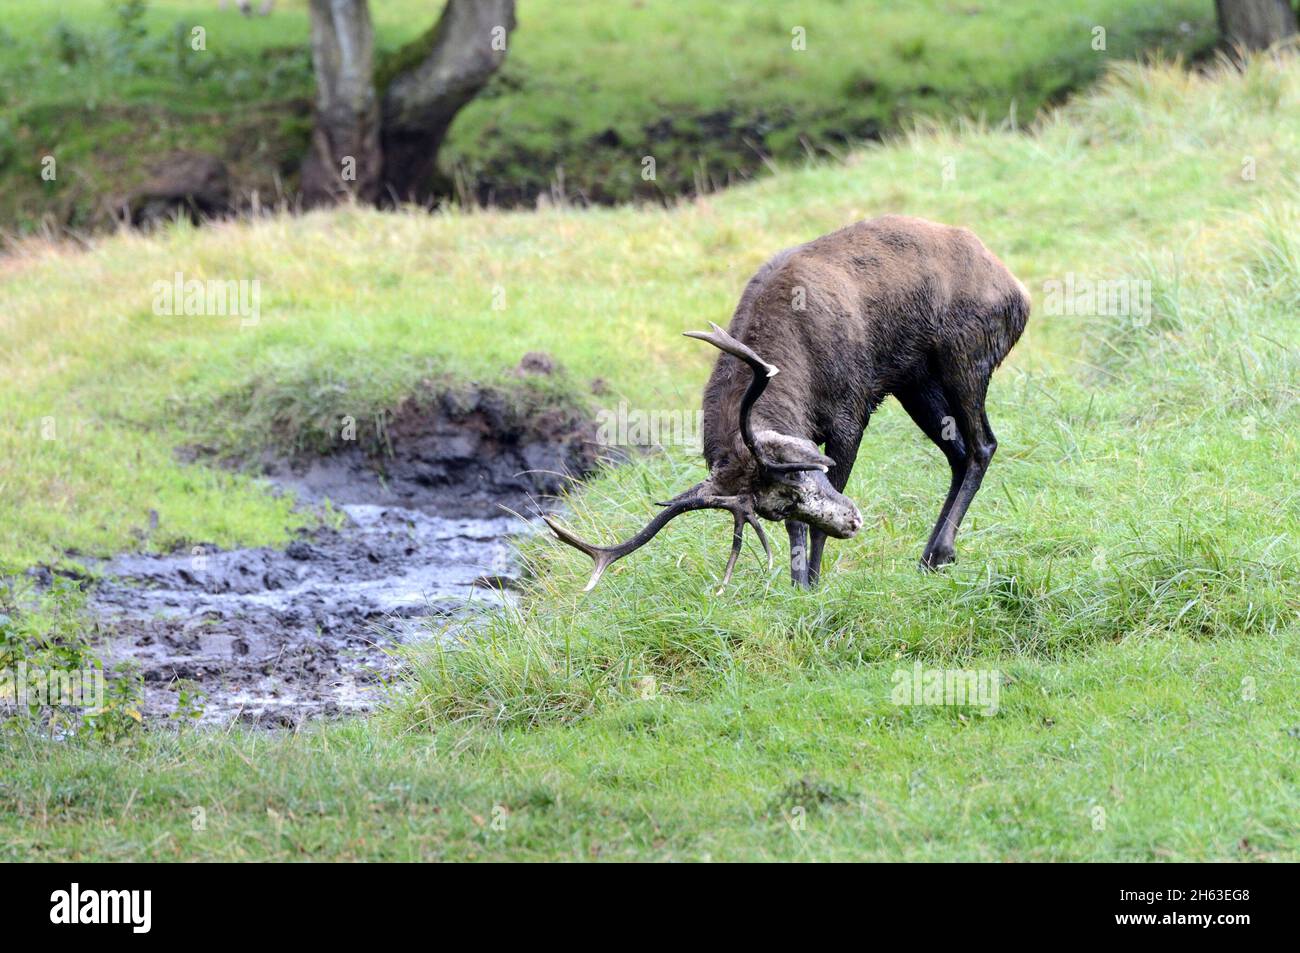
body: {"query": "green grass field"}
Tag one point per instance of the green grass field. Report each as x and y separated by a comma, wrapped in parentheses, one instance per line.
(1129, 567)
(588, 90)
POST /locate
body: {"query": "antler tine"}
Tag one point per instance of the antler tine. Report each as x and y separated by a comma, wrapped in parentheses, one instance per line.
(763, 372)
(752, 520)
(723, 341)
(737, 543)
(602, 557)
(743, 515)
(605, 556)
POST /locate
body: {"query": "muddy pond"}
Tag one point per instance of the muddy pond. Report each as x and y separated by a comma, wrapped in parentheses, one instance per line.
(421, 544)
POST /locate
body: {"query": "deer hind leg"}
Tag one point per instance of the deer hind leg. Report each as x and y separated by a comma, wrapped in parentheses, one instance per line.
(927, 405)
(965, 401)
(952, 415)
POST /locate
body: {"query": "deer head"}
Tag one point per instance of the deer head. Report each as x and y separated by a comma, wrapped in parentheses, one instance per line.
(784, 478)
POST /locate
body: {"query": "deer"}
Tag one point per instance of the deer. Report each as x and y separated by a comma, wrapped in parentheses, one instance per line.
(246, 7)
(824, 332)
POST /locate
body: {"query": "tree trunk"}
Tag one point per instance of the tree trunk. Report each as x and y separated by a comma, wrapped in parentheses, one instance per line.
(344, 158)
(452, 62)
(1255, 24)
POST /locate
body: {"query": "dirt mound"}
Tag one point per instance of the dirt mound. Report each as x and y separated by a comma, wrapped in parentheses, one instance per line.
(467, 453)
(185, 183)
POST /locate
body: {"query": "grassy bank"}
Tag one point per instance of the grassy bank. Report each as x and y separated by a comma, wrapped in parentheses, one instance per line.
(1128, 568)
(1144, 750)
(587, 92)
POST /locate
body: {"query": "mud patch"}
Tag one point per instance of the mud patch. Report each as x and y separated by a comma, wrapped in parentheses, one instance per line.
(276, 636)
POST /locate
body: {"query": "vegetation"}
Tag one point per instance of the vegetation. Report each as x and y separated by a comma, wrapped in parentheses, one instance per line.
(1129, 569)
(110, 88)
(1140, 751)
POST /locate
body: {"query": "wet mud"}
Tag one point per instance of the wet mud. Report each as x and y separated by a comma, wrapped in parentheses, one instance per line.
(423, 543)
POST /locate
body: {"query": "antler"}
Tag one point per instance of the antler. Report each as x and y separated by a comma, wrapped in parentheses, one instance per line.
(697, 497)
(738, 540)
(763, 372)
(603, 556)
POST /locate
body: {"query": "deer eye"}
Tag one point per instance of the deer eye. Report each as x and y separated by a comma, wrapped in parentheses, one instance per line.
(781, 503)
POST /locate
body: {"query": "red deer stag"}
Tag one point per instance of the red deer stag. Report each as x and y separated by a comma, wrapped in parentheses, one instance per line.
(893, 305)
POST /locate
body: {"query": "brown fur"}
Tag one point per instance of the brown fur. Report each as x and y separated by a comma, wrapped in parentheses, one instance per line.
(893, 305)
(885, 300)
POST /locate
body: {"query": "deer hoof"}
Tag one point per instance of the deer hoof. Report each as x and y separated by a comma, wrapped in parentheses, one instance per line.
(936, 560)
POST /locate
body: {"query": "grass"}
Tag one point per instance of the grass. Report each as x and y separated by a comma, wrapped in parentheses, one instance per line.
(1128, 568)
(587, 92)
(1141, 751)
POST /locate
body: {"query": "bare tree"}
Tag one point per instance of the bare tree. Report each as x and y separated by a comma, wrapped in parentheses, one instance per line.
(379, 139)
(460, 54)
(344, 157)
(1256, 24)
(246, 6)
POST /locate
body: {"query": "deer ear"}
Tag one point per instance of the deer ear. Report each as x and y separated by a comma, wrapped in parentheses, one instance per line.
(783, 448)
